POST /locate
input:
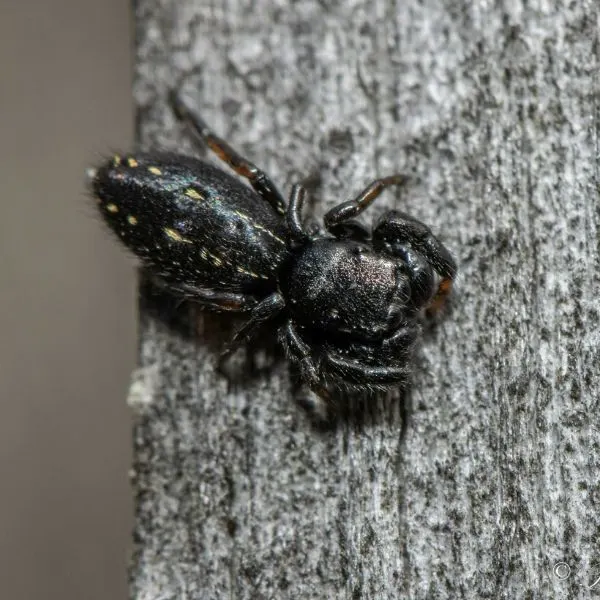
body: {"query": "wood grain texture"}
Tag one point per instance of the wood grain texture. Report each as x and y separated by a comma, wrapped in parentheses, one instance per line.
(493, 479)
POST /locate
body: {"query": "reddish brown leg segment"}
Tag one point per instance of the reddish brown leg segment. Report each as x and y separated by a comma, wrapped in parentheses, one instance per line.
(257, 178)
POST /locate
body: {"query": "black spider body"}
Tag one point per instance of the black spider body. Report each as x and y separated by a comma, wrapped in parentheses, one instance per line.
(346, 299)
(375, 294)
(199, 229)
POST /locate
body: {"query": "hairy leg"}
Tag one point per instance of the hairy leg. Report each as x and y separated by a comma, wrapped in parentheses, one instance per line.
(265, 310)
(352, 208)
(398, 233)
(257, 178)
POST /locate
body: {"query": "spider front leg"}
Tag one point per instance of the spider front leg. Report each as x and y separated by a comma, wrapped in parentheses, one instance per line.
(401, 342)
(257, 178)
(299, 351)
(359, 373)
(265, 310)
(402, 235)
(337, 217)
(298, 234)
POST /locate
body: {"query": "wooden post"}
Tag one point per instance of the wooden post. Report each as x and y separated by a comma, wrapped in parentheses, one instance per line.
(490, 488)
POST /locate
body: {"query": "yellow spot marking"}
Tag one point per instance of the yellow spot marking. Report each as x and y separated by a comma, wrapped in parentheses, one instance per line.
(240, 270)
(132, 220)
(155, 170)
(116, 160)
(192, 193)
(132, 162)
(216, 260)
(112, 208)
(258, 227)
(176, 236)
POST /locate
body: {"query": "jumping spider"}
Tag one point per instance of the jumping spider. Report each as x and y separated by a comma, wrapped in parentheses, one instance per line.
(345, 300)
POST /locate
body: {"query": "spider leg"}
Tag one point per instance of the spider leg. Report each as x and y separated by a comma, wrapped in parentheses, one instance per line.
(257, 178)
(351, 229)
(404, 236)
(220, 301)
(354, 371)
(267, 309)
(299, 351)
(298, 234)
(421, 274)
(300, 231)
(352, 208)
(401, 341)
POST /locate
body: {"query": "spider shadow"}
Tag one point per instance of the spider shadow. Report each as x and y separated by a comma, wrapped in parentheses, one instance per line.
(210, 329)
(357, 410)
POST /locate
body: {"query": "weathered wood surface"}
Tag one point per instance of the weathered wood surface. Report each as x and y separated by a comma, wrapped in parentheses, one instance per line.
(491, 489)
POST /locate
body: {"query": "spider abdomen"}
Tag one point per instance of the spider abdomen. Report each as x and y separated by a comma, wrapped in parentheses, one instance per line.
(192, 224)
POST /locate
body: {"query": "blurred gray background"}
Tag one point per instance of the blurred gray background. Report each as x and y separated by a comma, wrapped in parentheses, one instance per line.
(67, 303)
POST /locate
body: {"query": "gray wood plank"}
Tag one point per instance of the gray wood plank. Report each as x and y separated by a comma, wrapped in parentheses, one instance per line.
(493, 480)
